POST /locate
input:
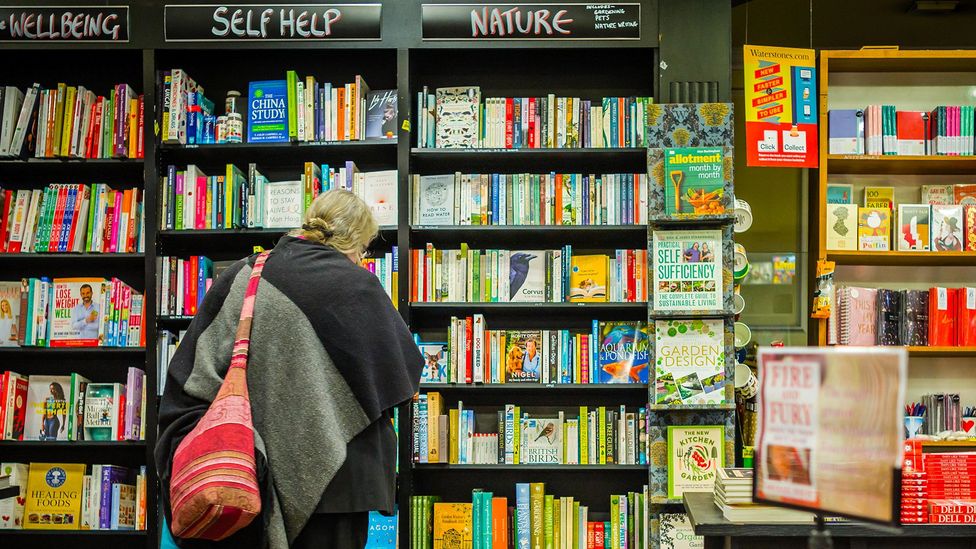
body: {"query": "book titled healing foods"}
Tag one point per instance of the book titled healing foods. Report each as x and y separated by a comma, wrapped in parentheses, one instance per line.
(523, 356)
(54, 496)
(267, 112)
(588, 278)
(689, 361)
(76, 311)
(623, 354)
(687, 270)
(694, 182)
(695, 453)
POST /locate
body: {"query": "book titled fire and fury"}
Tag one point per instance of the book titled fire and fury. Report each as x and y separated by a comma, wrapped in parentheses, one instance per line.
(54, 496)
(75, 312)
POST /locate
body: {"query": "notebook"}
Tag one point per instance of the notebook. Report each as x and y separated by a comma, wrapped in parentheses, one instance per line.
(915, 318)
(943, 305)
(889, 317)
(858, 316)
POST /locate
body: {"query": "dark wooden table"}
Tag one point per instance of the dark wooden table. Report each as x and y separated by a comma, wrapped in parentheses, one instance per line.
(707, 520)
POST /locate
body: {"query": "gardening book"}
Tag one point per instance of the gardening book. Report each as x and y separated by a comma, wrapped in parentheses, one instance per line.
(687, 270)
(623, 354)
(695, 453)
(694, 182)
(689, 361)
(452, 526)
(675, 532)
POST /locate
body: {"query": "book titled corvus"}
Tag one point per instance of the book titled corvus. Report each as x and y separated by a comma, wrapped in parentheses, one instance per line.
(526, 276)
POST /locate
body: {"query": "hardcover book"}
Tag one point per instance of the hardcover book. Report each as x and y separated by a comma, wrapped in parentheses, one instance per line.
(435, 362)
(436, 199)
(841, 226)
(873, 229)
(943, 310)
(687, 270)
(9, 313)
(380, 194)
(694, 182)
(858, 316)
(966, 336)
(624, 352)
(937, 194)
(457, 117)
(689, 360)
(542, 441)
(54, 496)
(588, 278)
(523, 356)
(840, 193)
(913, 227)
(846, 131)
(452, 526)
(75, 312)
(381, 114)
(879, 197)
(48, 408)
(267, 112)
(695, 453)
(284, 202)
(527, 277)
(910, 132)
(675, 532)
(947, 228)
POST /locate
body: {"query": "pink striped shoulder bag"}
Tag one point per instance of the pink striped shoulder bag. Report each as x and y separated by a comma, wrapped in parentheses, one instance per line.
(214, 484)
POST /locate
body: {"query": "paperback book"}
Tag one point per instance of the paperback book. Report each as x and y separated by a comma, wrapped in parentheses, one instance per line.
(77, 312)
(48, 408)
(688, 270)
(947, 229)
(523, 356)
(695, 182)
(267, 112)
(841, 226)
(623, 355)
(913, 227)
(543, 441)
(695, 453)
(381, 114)
(9, 313)
(54, 493)
(874, 229)
(435, 362)
(689, 361)
(588, 278)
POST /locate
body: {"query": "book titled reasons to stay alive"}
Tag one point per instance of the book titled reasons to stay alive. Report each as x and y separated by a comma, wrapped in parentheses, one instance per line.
(689, 361)
(687, 270)
(267, 112)
(694, 182)
(695, 453)
(623, 354)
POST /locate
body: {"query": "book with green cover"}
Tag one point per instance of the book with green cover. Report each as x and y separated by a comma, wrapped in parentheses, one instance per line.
(694, 181)
(548, 527)
(291, 80)
(537, 493)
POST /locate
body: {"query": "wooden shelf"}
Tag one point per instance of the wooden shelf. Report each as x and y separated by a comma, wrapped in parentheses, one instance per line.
(895, 60)
(949, 443)
(942, 351)
(893, 164)
(903, 259)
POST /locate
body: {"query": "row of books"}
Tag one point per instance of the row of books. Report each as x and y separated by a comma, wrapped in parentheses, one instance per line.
(594, 437)
(535, 520)
(166, 344)
(936, 486)
(733, 496)
(88, 497)
(880, 196)
(71, 122)
(182, 283)
(459, 117)
(387, 270)
(72, 218)
(72, 408)
(551, 276)
(884, 130)
(937, 317)
(529, 199)
(71, 312)
(612, 352)
(193, 200)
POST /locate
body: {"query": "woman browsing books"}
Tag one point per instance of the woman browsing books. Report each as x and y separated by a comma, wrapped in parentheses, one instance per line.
(329, 359)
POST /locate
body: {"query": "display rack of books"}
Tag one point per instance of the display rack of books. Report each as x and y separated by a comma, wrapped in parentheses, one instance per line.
(72, 296)
(691, 415)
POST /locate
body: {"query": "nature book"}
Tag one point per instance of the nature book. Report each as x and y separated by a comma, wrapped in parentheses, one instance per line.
(624, 354)
(436, 200)
(879, 197)
(695, 453)
(102, 402)
(283, 204)
(840, 193)
(267, 112)
(542, 441)
(12, 509)
(588, 278)
(9, 313)
(48, 408)
(675, 532)
(75, 312)
(54, 496)
(526, 279)
(841, 226)
(435, 362)
(947, 228)
(689, 361)
(381, 114)
(458, 119)
(913, 227)
(523, 356)
(694, 182)
(688, 270)
(873, 229)
(452, 526)
(380, 194)
(937, 194)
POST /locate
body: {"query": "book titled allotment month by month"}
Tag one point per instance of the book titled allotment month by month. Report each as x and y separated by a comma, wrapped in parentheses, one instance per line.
(687, 270)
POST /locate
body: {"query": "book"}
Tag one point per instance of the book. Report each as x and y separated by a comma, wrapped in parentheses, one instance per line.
(937, 194)
(687, 270)
(588, 278)
(381, 114)
(964, 194)
(123, 515)
(380, 194)
(969, 213)
(915, 317)
(382, 531)
(947, 228)
(695, 182)
(457, 117)
(879, 197)
(523, 356)
(452, 525)
(54, 496)
(695, 453)
(839, 193)
(910, 126)
(845, 129)
(526, 281)
(675, 532)
(913, 227)
(435, 362)
(873, 229)
(435, 195)
(542, 440)
(623, 355)
(13, 405)
(267, 112)
(76, 406)
(76, 312)
(284, 204)
(689, 361)
(943, 311)
(841, 226)
(889, 321)
(12, 508)
(104, 411)
(48, 408)
(9, 313)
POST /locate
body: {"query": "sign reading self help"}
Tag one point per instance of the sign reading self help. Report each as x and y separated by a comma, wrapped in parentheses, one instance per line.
(273, 22)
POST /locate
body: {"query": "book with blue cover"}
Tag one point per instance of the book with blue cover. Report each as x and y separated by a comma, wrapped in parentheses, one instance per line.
(382, 531)
(267, 112)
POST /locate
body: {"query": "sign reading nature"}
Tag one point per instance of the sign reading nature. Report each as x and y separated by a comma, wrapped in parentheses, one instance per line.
(781, 107)
(531, 21)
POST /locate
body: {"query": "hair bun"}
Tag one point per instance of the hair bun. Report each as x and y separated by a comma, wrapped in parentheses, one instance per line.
(320, 226)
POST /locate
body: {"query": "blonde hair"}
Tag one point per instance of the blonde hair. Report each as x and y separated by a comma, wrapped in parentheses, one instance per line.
(340, 219)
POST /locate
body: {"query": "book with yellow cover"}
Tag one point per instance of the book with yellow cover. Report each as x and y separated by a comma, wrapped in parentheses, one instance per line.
(879, 197)
(452, 526)
(873, 229)
(588, 278)
(54, 496)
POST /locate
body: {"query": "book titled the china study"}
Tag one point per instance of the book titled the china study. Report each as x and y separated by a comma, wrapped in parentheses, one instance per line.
(267, 112)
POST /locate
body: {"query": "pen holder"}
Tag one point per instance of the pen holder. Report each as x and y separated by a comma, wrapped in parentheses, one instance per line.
(913, 424)
(968, 424)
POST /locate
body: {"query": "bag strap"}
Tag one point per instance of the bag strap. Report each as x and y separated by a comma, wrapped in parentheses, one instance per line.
(242, 342)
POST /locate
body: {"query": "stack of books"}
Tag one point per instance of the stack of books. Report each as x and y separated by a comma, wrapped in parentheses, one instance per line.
(733, 495)
(884, 130)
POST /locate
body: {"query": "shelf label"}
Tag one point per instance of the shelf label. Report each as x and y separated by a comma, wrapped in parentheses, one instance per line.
(531, 21)
(64, 23)
(271, 22)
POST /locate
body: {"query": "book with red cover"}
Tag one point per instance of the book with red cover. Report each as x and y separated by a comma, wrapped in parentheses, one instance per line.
(943, 306)
(952, 518)
(910, 132)
(964, 193)
(966, 323)
(952, 506)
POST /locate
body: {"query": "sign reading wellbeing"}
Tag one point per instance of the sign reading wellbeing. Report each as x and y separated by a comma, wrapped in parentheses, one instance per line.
(781, 107)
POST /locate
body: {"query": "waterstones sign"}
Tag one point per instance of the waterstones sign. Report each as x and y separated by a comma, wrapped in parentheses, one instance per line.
(531, 21)
(64, 24)
(272, 22)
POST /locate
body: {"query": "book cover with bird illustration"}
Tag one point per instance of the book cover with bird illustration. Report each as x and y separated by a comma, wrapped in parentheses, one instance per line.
(694, 182)
(523, 356)
(527, 276)
(689, 361)
(695, 454)
(623, 355)
(542, 440)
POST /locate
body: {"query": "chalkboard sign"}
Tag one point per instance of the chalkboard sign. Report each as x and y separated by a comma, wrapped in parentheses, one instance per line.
(64, 24)
(272, 22)
(531, 21)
